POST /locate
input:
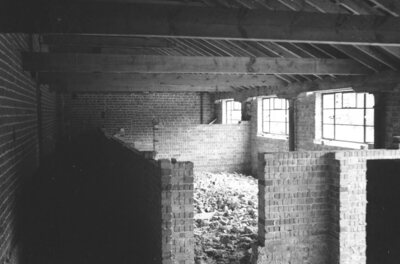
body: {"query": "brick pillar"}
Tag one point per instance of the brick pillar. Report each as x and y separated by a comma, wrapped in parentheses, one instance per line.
(292, 132)
(353, 203)
(177, 212)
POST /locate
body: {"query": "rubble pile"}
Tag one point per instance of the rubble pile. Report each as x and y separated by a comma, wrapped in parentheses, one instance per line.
(226, 216)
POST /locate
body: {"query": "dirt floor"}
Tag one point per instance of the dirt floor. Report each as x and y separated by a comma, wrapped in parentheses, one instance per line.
(226, 217)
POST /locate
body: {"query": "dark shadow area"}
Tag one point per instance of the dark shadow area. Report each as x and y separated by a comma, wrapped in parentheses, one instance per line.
(77, 209)
(383, 211)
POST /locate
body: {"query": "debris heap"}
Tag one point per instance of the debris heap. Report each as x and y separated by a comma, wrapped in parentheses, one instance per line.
(226, 216)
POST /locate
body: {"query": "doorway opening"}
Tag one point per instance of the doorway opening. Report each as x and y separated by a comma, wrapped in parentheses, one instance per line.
(383, 211)
(226, 217)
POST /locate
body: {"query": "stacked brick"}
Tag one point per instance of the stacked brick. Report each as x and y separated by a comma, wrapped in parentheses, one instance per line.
(164, 192)
(391, 116)
(140, 178)
(294, 214)
(210, 147)
(313, 205)
(353, 201)
(18, 135)
(49, 120)
(177, 212)
(136, 113)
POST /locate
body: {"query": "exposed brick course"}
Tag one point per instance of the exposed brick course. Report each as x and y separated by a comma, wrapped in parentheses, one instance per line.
(294, 215)
(49, 120)
(136, 113)
(165, 191)
(18, 136)
(209, 147)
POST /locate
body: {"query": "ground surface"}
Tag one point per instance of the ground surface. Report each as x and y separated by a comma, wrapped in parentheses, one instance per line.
(226, 216)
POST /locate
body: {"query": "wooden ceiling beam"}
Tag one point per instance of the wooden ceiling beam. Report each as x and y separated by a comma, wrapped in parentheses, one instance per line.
(65, 87)
(388, 81)
(104, 41)
(142, 79)
(209, 23)
(51, 62)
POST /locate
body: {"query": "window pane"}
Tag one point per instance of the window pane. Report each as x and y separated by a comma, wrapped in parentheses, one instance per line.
(278, 115)
(266, 116)
(369, 116)
(279, 103)
(236, 116)
(266, 104)
(229, 106)
(350, 133)
(369, 134)
(328, 131)
(350, 116)
(328, 116)
(338, 100)
(360, 100)
(237, 106)
(266, 127)
(278, 128)
(327, 100)
(370, 101)
(349, 100)
(287, 128)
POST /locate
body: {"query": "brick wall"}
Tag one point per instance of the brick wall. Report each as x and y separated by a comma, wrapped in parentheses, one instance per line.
(49, 120)
(295, 215)
(164, 202)
(313, 205)
(391, 116)
(136, 113)
(18, 135)
(304, 131)
(209, 147)
(177, 212)
(353, 200)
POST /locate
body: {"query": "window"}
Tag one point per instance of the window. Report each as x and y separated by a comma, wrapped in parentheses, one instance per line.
(275, 118)
(233, 112)
(348, 117)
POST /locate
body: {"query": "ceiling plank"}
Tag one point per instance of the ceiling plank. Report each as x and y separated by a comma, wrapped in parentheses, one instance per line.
(211, 23)
(51, 62)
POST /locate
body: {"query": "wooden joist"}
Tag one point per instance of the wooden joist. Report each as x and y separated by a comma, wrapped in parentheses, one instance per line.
(119, 82)
(49, 62)
(207, 23)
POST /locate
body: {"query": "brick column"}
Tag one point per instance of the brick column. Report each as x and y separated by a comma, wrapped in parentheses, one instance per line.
(177, 212)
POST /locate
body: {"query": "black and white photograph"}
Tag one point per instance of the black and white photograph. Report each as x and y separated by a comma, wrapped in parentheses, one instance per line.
(199, 132)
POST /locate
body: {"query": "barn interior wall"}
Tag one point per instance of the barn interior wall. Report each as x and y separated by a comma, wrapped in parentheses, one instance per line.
(136, 113)
(23, 138)
(174, 125)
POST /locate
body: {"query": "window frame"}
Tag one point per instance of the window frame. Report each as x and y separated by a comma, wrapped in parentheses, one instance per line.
(262, 111)
(319, 135)
(227, 115)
